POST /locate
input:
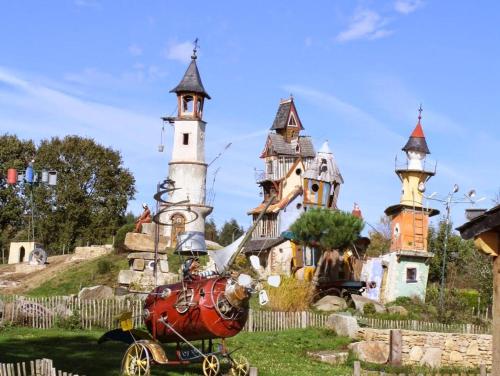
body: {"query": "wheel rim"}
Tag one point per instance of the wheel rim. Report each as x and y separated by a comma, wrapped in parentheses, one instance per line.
(240, 366)
(211, 365)
(136, 361)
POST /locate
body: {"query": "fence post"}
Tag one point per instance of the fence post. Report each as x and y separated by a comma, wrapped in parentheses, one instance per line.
(357, 368)
(250, 320)
(304, 320)
(395, 347)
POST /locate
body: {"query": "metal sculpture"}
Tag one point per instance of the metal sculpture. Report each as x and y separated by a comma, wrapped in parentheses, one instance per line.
(205, 306)
(38, 256)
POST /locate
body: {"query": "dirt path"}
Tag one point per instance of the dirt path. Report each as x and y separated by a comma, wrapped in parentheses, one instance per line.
(12, 282)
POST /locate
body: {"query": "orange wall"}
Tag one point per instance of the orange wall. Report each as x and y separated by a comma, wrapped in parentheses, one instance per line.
(413, 231)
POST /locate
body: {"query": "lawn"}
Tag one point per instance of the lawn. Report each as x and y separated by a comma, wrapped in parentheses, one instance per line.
(100, 271)
(273, 353)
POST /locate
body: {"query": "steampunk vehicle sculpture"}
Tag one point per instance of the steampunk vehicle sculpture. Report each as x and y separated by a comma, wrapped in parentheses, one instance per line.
(204, 306)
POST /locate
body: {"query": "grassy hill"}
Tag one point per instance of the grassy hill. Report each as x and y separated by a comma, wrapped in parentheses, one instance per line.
(99, 271)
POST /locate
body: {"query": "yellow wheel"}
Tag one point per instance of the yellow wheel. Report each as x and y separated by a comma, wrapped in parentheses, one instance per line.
(136, 361)
(211, 365)
(240, 367)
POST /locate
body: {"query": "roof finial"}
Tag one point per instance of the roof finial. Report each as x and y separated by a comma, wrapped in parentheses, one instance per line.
(195, 49)
(420, 109)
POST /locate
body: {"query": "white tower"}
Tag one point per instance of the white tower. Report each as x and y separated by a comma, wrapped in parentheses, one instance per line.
(187, 167)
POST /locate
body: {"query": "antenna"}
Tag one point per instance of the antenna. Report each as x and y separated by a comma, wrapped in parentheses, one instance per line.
(220, 153)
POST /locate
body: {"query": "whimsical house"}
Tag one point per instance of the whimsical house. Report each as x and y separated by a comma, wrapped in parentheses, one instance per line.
(187, 167)
(403, 271)
(298, 178)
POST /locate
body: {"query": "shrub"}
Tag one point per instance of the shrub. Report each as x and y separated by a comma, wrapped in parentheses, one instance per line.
(103, 266)
(369, 309)
(291, 295)
(120, 236)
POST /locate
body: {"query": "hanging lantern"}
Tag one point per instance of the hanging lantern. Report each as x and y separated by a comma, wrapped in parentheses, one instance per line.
(45, 176)
(52, 178)
(29, 174)
(161, 147)
(11, 176)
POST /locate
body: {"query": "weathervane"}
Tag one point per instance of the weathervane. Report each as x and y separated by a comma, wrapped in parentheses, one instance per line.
(420, 109)
(195, 49)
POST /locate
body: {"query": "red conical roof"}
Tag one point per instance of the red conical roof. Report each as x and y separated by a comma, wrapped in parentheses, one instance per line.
(418, 131)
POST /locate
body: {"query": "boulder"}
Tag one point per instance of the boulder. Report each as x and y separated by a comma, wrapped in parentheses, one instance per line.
(144, 242)
(96, 293)
(343, 325)
(328, 356)
(361, 301)
(371, 351)
(397, 310)
(432, 357)
(330, 303)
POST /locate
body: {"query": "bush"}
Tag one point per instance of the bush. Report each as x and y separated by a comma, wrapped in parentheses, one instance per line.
(369, 309)
(103, 266)
(291, 295)
(120, 236)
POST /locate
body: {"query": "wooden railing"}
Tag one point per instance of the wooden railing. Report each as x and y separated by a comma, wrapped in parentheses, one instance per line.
(423, 326)
(38, 367)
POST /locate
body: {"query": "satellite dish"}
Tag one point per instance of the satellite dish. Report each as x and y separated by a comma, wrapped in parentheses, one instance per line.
(255, 262)
(472, 193)
(244, 280)
(274, 280)
(455, 188)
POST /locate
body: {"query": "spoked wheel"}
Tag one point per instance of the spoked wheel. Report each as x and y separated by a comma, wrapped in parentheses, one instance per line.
(240, 367)
(136, 361)
(211, 365)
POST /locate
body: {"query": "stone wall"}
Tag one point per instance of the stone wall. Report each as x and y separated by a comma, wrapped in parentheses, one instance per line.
(437, 349)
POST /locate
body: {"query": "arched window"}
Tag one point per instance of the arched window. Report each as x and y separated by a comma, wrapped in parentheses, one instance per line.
(187, 104)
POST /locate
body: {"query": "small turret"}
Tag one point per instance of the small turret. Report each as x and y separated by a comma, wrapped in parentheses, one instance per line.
(190, 92)
(416, 148)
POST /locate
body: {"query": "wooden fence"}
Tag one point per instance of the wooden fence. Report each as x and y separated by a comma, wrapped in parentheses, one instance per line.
(424, 326)
(64, 311)
(38, 367)
(358, 371)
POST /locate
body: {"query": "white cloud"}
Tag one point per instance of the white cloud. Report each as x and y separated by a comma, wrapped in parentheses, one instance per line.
(87, 3)
(180, 51)
(135, 50)
(365, 24)
(407, 6)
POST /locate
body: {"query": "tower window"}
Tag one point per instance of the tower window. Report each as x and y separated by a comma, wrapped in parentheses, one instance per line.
(185, 138)
(315, 187)
(187, 103)
(411, 275)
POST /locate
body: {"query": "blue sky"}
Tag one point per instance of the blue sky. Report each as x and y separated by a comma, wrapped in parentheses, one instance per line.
(358, 71)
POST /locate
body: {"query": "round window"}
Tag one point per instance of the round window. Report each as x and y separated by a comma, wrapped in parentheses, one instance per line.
(315, 187)
(298, 171)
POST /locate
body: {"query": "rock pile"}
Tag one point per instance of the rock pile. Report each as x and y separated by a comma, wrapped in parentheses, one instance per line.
(140, 275)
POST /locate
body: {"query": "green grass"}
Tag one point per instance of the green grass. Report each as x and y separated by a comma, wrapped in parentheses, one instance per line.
(81, 275)
(274, 354)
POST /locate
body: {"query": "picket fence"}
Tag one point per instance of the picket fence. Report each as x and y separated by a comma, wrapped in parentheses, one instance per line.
(38, 367)
(423, 326)
(67, 311)
(358, 371)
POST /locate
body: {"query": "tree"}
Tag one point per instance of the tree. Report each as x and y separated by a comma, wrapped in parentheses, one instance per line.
(380, 238)
(211, 231)
(14, 153)
(229, 232)
(87, 205)
(327, 229)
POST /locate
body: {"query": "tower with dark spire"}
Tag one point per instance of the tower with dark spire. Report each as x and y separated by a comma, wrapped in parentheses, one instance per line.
(187, 167)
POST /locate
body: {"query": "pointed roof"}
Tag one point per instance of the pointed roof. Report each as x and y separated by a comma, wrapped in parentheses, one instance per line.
(191, 82)
(325, 148)
(417, 142)
(282, 118)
